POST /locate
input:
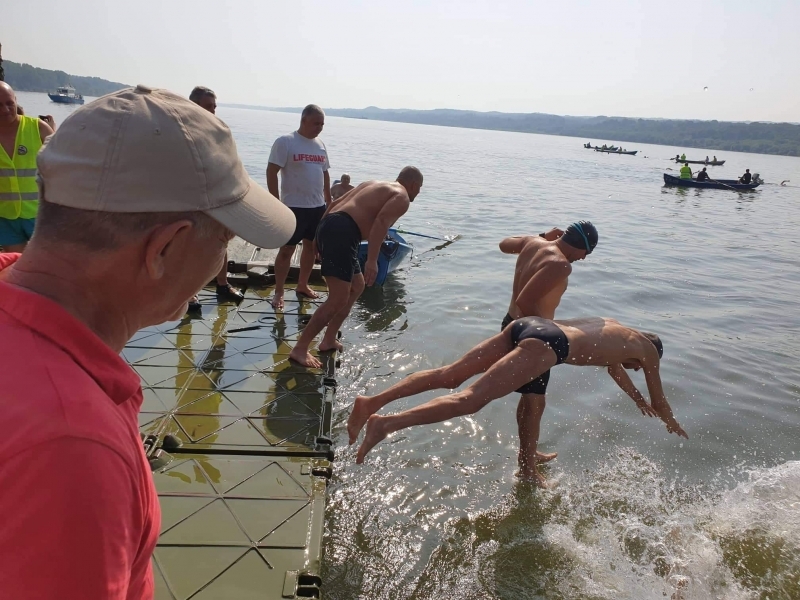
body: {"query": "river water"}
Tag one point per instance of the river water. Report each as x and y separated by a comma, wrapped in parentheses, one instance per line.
(436, 511)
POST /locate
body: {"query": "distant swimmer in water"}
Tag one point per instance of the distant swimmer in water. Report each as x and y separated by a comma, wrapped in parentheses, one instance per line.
(340, 189)
(785, 181)
(544, 264)
(516, 357)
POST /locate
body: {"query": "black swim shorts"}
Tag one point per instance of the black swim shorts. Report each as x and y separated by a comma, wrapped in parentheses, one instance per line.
(539, 329)
(338, 239)
(307, 223)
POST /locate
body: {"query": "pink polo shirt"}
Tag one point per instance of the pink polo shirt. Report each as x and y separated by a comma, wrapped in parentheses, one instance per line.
(80, 515)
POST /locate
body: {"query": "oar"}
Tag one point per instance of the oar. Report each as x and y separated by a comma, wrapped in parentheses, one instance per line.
(425, 236)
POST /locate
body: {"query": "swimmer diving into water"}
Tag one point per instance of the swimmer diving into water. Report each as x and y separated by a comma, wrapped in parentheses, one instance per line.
(520, 354)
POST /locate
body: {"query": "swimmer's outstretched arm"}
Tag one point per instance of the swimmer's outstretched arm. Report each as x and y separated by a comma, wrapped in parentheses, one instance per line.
(622, 379)
(659, 400)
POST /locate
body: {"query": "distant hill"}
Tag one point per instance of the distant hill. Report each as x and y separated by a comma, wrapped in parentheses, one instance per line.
(764, 138)
(27, 78)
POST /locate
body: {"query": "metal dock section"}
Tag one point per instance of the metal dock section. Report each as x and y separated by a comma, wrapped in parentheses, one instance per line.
(239, 441)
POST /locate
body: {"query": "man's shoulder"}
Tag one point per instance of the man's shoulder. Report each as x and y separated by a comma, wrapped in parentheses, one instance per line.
(285, 138)
(47, 395)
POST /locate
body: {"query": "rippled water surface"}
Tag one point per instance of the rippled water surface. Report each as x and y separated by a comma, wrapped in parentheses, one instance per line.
(436, 511)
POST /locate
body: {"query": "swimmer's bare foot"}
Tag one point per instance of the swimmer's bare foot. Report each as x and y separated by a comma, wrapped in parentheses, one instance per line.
(358, 417)
(543, 457)
(534, 476)
(277, 300)
(303, 356)
(336, 345)
(306, 292)
(376, 432)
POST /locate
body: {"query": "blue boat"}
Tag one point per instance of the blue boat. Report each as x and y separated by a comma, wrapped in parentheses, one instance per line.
(394, 251)
(714, 184)
(66, 95)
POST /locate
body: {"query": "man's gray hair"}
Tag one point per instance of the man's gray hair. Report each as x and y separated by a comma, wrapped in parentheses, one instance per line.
(201, 92)
(99, 231)
(312, 110)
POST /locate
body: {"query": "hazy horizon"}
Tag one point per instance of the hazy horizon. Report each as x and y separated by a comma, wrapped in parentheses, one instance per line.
(577, 58)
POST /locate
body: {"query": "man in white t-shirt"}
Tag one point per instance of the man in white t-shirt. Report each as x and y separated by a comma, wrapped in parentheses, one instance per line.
(302, 160)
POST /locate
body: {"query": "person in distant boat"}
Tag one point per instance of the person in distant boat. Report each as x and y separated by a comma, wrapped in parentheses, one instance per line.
(366, 213)
(683, 157)
(686, 171)
(605, 147)
(340, 189)
(21, 137)
(706, 159)
(746, 178)
(677, 157)
(715, 159)
(515, 357)
(301, 158)
(703, 175)
(206, 99)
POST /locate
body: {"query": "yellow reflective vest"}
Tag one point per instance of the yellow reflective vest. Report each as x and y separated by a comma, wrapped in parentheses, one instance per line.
(686, 172)
(19, 194)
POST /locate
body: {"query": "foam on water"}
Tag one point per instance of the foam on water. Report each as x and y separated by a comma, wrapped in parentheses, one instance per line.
(624, 531)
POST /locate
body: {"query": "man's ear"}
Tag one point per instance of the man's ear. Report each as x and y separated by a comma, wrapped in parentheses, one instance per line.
(161, 242)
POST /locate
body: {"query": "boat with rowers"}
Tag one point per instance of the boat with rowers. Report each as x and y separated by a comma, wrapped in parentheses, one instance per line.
(710, 163)
(714, 184)
(590, 147)
(618, 151)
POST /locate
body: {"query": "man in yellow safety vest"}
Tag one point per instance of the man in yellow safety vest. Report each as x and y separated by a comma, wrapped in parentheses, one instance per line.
(20, 140)
(686, 171)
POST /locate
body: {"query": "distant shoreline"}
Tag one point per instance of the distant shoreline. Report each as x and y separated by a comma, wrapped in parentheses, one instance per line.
(757, 137)
(781, 139)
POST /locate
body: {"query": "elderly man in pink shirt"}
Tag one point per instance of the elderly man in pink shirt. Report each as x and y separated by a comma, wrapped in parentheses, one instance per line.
(140, 193)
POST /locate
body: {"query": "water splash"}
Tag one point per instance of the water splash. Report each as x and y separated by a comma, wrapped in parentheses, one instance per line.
(622, 530)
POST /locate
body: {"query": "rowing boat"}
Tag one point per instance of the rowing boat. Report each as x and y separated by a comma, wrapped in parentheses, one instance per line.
(590, 147)
(711, 163)
(394, 252)
(630, 152)
(717, 184)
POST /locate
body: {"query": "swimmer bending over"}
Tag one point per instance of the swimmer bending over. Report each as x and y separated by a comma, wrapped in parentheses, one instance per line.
(509, 360)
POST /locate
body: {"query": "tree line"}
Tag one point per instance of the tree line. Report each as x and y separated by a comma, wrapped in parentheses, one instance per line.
(763, 138)
(26, 78)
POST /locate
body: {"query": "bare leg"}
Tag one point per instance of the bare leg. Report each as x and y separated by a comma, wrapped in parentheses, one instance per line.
(520, 366)
(15, 247)
(329, 341)
(529, 418)
(307, 255)
(282, 263)
(477, 360)
(338, 295)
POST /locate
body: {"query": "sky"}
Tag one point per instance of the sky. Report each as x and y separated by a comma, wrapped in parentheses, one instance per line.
(570, 57)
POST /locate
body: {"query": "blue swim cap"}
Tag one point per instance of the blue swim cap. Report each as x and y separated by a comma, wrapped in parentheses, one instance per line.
(582, 235)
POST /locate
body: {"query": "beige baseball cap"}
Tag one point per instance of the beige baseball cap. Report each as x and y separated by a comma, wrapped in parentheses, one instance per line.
(149, 150)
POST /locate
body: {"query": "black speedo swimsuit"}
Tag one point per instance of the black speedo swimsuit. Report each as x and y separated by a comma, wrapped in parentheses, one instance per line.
(537, 328)
(338, 240)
